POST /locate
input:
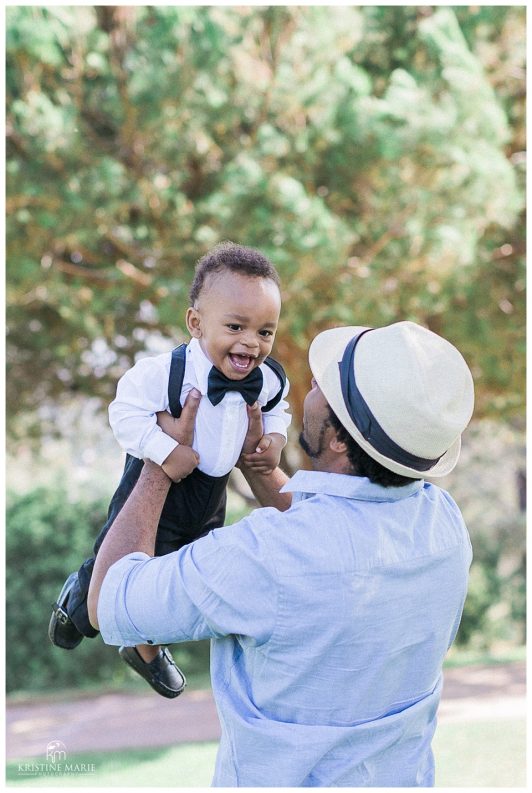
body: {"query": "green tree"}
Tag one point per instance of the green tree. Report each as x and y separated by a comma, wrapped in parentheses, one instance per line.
(373, 152)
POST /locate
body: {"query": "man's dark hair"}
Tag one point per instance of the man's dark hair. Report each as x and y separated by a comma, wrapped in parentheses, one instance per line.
(236, 258)
(361, 463)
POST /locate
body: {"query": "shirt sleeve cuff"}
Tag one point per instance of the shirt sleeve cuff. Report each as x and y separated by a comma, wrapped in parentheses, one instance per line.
(159, 447)
(114, 623)
(274, 424)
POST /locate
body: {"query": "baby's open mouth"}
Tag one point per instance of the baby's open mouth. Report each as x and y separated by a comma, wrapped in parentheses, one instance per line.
(242, 363)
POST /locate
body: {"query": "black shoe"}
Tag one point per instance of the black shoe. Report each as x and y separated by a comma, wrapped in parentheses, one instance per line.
(61, 630)
(162, 673)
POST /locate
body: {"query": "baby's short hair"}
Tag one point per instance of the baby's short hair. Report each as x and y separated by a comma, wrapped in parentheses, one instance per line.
(235, 258)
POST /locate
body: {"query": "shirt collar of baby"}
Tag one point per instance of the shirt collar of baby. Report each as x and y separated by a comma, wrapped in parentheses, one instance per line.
(202, 365)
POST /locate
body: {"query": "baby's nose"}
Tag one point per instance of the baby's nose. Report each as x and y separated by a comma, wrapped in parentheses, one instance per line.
(251, 341)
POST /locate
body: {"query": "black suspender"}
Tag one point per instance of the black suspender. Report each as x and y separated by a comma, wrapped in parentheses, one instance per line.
(177, 372)
(279, 371)
(175, 380)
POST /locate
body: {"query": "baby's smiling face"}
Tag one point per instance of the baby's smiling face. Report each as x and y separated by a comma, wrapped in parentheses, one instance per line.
(235, 319)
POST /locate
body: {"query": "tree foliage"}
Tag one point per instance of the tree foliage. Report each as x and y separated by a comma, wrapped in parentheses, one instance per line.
(375, 153)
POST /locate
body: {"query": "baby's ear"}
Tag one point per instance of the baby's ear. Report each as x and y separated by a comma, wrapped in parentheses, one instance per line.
(193, 321)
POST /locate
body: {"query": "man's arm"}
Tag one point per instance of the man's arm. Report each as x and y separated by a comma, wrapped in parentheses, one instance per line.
(265, 487)
(134, 529)
(135, 526)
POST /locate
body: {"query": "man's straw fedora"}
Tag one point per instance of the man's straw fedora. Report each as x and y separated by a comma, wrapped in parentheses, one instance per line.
(402, 392)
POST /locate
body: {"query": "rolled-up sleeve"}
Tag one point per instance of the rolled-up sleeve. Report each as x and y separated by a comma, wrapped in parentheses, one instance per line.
(113, 618)
(219, 585)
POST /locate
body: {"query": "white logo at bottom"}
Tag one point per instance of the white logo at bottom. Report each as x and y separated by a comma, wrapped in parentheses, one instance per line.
(56, 752)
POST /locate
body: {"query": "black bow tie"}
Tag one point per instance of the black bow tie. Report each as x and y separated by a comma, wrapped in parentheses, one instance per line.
(218, 385)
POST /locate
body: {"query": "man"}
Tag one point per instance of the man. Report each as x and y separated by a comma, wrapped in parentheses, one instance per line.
(331, 611)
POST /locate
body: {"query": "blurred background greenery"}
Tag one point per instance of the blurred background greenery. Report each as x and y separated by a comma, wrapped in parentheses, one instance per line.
(375, 153)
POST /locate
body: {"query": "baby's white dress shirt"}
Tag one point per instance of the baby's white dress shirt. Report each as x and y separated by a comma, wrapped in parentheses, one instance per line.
(219, 431)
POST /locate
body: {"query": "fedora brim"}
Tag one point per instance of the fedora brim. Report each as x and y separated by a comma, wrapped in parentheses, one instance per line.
(325, 354)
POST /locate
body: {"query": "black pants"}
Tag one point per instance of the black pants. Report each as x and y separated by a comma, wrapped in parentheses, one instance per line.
(192, 508)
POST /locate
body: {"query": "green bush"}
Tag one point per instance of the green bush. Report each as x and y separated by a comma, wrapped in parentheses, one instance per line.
(495, 608)
(48, 537)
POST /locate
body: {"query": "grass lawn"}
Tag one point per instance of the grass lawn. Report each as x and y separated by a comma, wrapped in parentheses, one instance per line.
(481, 754)
(186, 765)
(471, 754)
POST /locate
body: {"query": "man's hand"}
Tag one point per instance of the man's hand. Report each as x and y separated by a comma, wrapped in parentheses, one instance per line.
(182, 460)
(255, 429)
(181, 429)
(264, 484)
(180, 463)
(267, 455)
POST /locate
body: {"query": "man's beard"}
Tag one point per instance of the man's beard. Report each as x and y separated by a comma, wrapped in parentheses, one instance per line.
(314, 454)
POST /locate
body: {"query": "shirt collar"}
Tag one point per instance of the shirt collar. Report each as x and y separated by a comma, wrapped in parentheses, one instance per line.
(356, 487)
(202, 365)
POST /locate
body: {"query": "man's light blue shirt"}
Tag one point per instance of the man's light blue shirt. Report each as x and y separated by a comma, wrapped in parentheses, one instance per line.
(329, 624)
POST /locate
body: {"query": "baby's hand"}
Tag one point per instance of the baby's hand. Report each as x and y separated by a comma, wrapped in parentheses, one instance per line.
(180, 463)
(267, 454)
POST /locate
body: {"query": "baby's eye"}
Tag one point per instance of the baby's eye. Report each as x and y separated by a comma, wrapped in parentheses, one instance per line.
(265, 333)
(234, 327)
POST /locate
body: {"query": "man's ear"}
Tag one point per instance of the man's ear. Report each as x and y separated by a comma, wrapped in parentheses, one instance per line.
(193, 321)
(337, 446)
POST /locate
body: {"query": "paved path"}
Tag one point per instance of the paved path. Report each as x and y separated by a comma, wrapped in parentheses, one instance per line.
(118, 721)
